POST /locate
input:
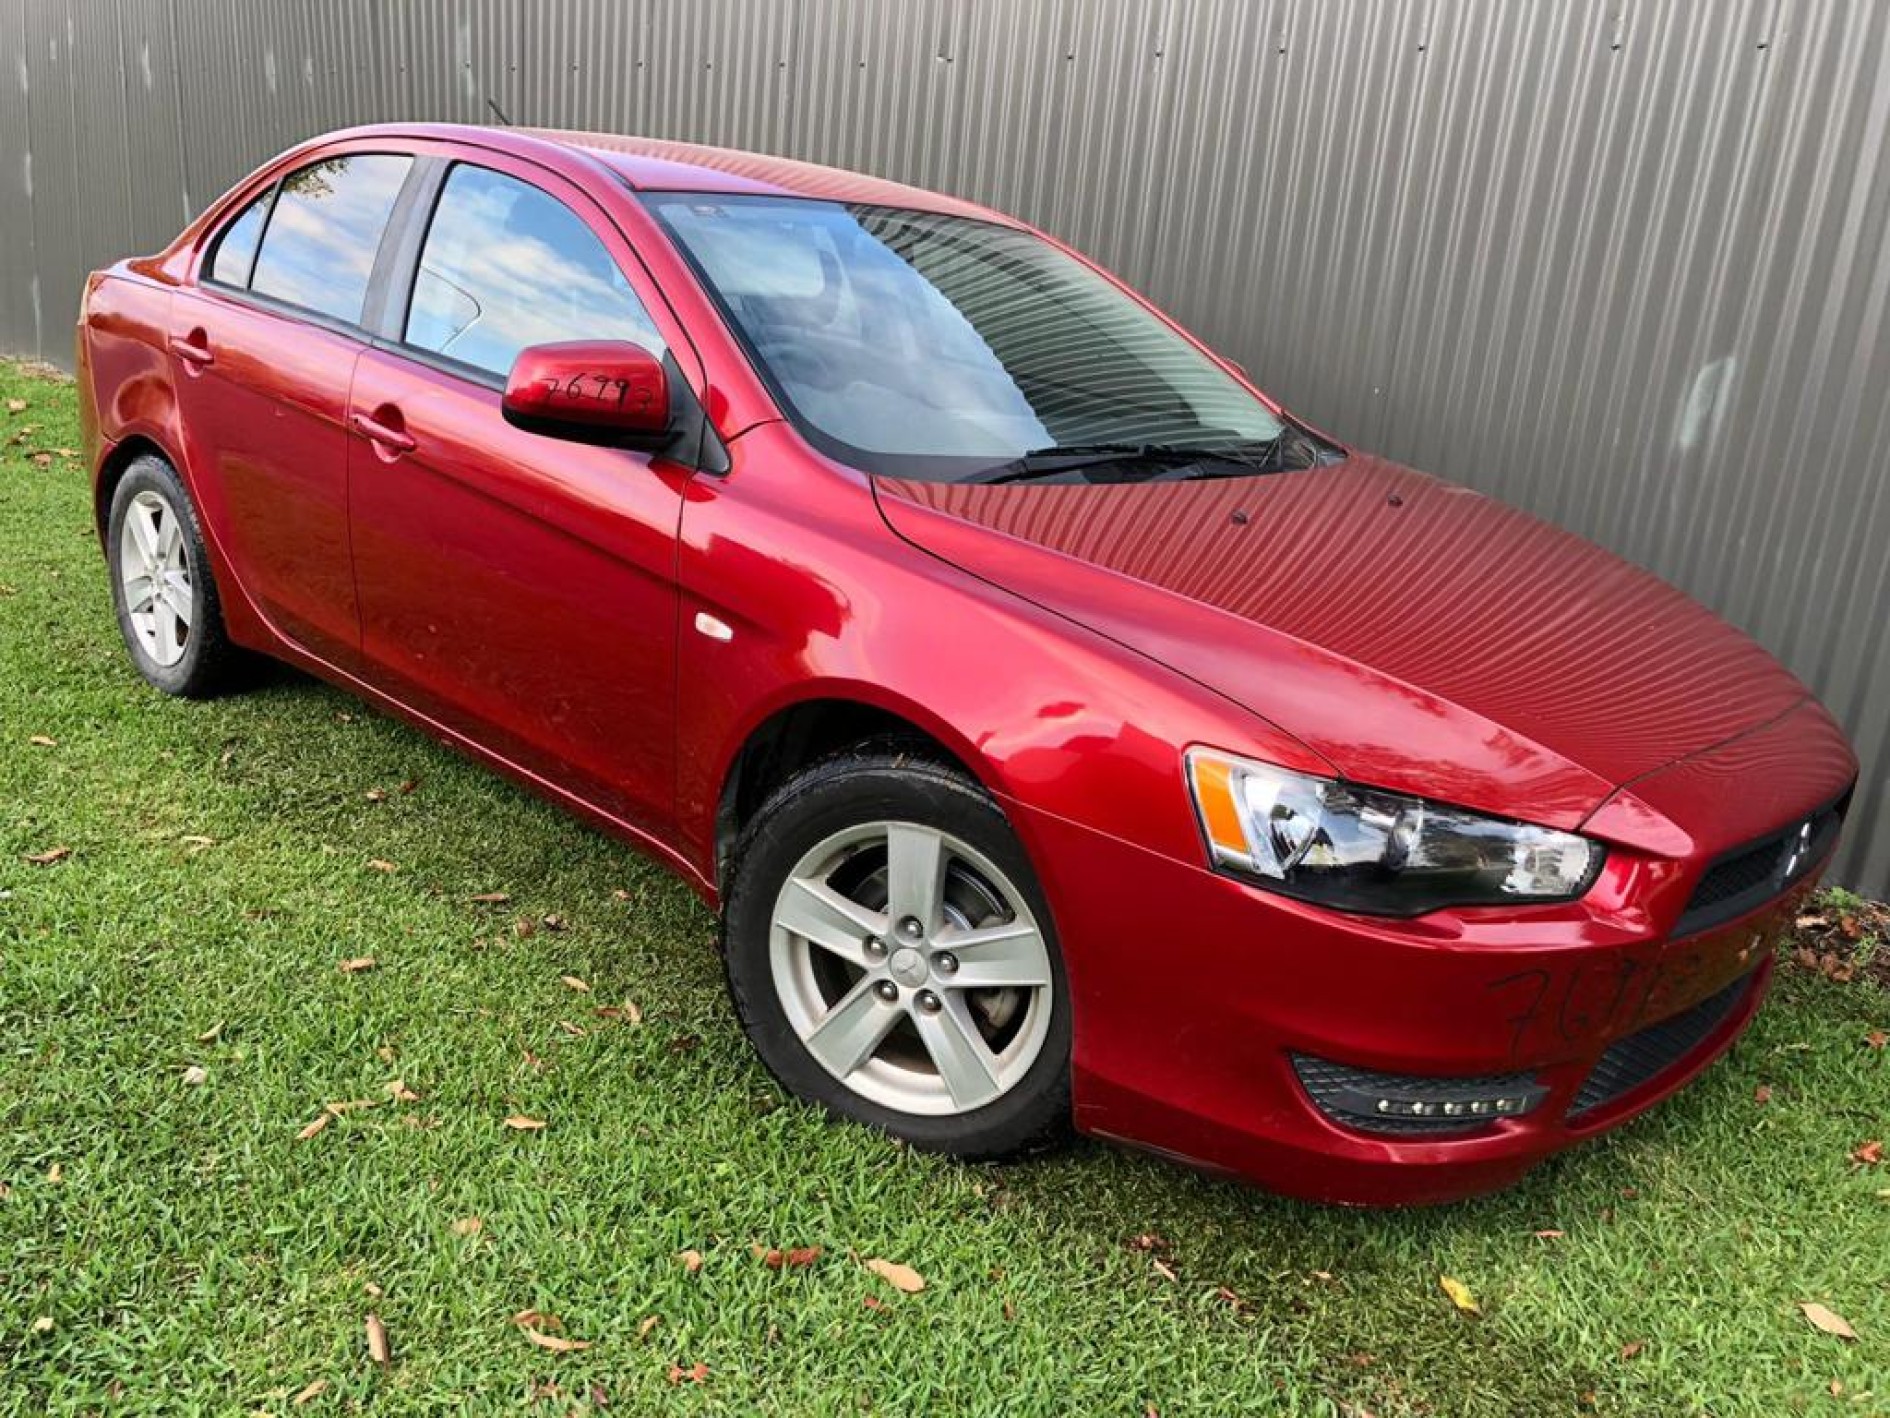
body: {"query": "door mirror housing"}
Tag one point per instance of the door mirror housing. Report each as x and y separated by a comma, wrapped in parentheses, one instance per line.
(591, 391)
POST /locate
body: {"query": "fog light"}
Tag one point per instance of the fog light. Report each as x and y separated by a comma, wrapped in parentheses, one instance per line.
(1409, 1103)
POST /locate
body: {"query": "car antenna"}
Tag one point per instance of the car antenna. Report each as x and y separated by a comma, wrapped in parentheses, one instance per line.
(491, 104)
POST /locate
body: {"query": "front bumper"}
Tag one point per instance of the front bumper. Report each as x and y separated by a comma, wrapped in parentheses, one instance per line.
(1194, 993)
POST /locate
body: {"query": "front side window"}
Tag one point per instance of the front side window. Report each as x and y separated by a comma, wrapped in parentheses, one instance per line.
(942, 347)
(505, 266)
(236, 248)
(318, 251)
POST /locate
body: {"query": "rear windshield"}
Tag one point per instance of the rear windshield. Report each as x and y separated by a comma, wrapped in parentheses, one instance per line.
(941, 347)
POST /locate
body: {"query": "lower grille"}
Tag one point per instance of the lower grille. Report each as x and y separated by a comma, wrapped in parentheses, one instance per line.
(1388, 1102)
(1644, 1056)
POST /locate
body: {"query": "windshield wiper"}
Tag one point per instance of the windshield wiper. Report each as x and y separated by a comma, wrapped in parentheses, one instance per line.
(1072, 456)
(1068, 457)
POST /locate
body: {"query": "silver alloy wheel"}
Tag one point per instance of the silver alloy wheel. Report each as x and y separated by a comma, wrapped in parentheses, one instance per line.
(154, 573)
(911, 968)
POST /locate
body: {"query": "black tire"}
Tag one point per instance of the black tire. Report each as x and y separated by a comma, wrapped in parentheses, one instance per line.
(210, 663)
(876, 783)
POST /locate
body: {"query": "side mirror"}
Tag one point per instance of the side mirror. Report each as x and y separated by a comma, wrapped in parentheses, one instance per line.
(590, 391)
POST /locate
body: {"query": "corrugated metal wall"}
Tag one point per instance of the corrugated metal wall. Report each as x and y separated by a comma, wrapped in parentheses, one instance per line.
(1625, 264)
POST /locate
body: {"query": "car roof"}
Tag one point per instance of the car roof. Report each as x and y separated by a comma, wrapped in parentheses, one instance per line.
(659, 165)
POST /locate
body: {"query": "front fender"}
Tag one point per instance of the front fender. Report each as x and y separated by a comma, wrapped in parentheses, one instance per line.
(823, 601)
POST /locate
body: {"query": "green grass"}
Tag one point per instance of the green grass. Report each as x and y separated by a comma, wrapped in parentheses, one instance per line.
(193, 1256)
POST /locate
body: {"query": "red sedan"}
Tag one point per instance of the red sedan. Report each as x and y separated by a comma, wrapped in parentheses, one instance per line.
(1064, 731)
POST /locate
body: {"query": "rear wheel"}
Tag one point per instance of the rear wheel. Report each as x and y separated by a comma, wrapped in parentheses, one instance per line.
(892, 959)
(168, 608)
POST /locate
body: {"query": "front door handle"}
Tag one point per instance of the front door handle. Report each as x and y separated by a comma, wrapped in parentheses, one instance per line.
(192, 349)
(392, 439)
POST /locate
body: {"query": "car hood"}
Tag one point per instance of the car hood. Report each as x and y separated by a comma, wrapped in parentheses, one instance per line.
(1419, 636)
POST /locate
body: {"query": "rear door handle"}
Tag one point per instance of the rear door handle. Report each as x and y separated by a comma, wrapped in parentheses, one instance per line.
(192, 351)
(389, 438)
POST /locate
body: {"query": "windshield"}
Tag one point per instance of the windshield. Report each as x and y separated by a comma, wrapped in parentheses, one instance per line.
(939, 347)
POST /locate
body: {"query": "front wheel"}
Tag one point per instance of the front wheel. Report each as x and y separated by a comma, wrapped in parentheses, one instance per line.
(892, 958)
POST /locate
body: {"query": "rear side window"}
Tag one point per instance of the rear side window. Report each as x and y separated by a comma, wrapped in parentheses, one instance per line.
(236, 248)
(505, 266)
(318, 251)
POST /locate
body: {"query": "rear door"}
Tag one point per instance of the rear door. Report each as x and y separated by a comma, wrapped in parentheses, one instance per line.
(266, 344)
(516, 588)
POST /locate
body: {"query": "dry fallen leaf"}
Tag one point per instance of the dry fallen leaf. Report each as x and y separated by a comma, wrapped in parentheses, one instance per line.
(791, 1259)
(468, 1226)
(1876, 1039)
(553, 922)
(491, 898)
(518, 1122)
(309, 1394)
(556, 1343)
(1762, 1094)
(56, 1174)
(1629, 1350)
(1868, 1154)
(398, 1090)
(573, 982)
(49, 856)
(377, 1342)
(356, 965)
(43, 1325)
(694, 1374)
(1827, 1320)
(691, 1260)
(1460, 1295)
(649, 1323)
(900, 1277)
(43, 741)
(628, 1012)
(576, 1031)
(376, 795)
(212, 1034)
(196, 1075)
(1548, 1235)
(1163, 1269)
(321, 1121)
(16, 406)
(381, 864)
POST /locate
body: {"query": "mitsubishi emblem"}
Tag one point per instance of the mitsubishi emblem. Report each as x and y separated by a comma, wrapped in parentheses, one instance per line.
(1801, 845)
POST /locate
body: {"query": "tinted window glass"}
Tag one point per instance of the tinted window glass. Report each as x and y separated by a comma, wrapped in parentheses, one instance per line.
(506, 266)
(319, 250)
(939, 346)
(236, 248)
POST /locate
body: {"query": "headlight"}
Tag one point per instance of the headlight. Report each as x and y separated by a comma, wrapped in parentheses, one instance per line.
(1358, 849)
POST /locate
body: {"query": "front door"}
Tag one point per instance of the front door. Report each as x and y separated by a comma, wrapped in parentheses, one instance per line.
(516, 588)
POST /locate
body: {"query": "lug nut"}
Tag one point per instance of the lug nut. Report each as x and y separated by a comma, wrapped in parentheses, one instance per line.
(911, 927)
(875, 947)
(946, 964)
(887, 991)
(929, 1002)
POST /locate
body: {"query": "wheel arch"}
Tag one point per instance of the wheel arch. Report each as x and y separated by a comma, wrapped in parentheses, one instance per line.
(112, 469)
(803, 731)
